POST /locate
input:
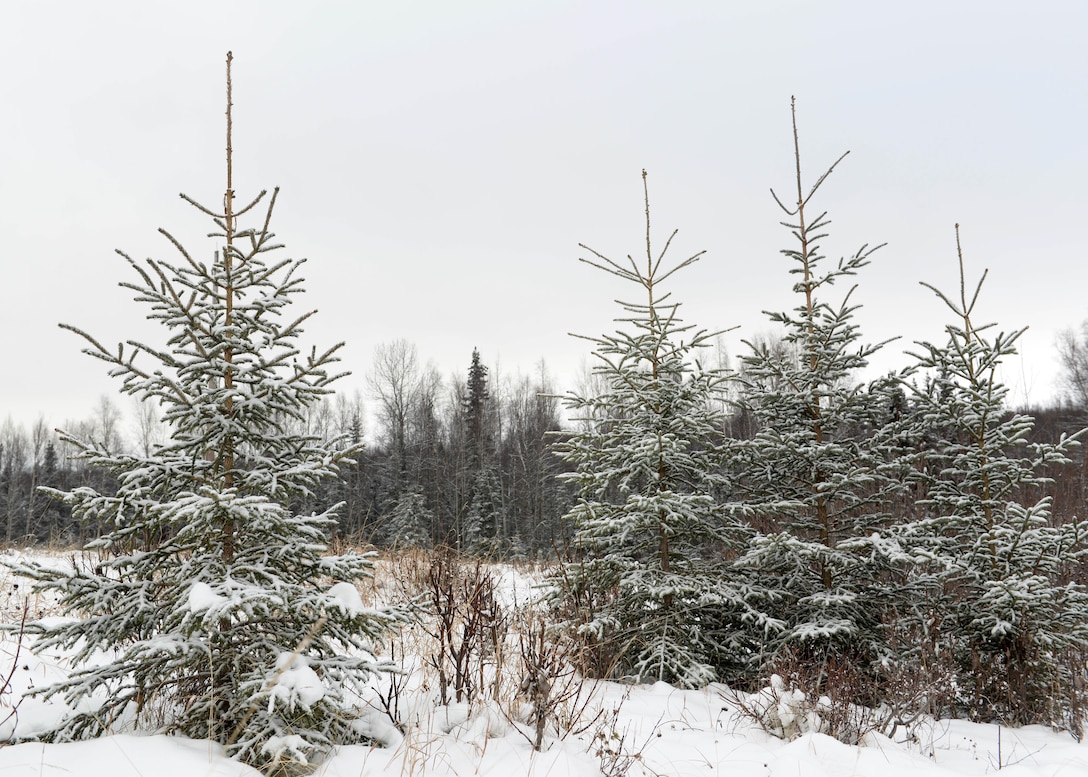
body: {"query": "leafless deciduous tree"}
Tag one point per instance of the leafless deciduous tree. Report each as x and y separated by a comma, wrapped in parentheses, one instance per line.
(1072, 347)
(148, 425)
(107, 419)
(394, 381)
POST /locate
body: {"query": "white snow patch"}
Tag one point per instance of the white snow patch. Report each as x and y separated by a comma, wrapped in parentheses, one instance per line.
(291, 743)
(347, 598)
(202, 597)
(296, 683)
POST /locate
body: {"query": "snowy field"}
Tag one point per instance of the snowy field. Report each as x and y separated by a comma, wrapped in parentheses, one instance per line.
(612, 729)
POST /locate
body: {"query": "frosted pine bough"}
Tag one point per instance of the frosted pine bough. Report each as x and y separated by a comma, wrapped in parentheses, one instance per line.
(213, 609)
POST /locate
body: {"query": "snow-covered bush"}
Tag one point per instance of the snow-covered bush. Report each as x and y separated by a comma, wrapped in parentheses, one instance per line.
(785, 710)
(468, 627)
(213, 604)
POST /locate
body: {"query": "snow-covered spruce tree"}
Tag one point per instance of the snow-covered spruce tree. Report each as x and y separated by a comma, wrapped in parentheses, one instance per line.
(409, 521)
(1003, 607)
(817, 473)
(647, 588)
(481, 518)
(211, 608)
(482, 524)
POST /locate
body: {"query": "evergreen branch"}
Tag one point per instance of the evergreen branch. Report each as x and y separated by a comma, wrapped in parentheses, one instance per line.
(265, 233)
(823, 177)
(682, 265)
(201, 208)
(139, 271)
(253, 203)
(293, 328)
(99, 350)
(609, 265)
(943, 297)
(660, 257)
(177, 244)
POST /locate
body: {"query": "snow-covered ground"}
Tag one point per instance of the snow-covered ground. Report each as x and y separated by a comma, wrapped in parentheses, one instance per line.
(645, 730)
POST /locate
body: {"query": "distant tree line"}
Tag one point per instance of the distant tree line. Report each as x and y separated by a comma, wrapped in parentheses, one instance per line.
(463, 462)
(450, 461)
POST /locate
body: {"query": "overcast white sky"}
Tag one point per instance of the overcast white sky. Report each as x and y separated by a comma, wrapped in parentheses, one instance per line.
(440, 162)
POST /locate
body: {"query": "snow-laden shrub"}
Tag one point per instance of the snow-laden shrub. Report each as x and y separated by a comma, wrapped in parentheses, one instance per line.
(784, 712)
(787, 711)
